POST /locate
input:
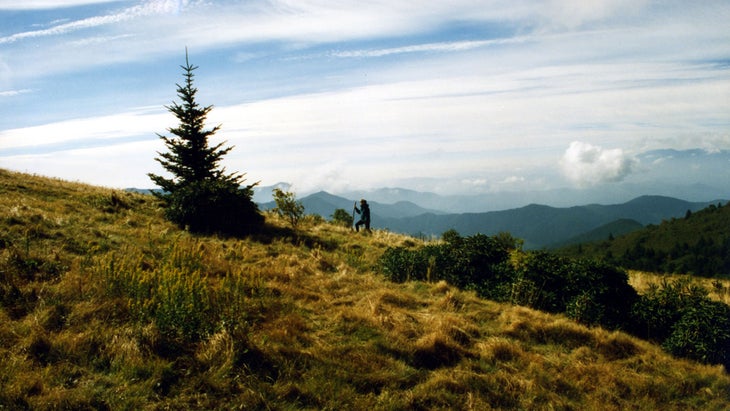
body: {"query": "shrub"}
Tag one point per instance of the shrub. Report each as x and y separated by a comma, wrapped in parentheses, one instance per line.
(681, 317)
(400, 264)
(342, 217)
(587, 291)
(479, 263)
(662, 306)
(288, 207)
(702, 333)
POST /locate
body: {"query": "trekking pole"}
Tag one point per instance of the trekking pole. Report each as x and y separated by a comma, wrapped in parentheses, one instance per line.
(354, 207)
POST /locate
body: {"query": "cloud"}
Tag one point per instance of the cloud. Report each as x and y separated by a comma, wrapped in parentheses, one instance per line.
(585, 164)
(84, 131)
(152, 7)
(12, 93)
(46, 4)
(453, 46)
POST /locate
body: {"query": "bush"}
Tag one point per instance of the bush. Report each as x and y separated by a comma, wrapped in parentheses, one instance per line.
(588, 291)
(681, 317)
(478, 263)
(702, 333)
(288, 207)
(400, 264)
(342, 217)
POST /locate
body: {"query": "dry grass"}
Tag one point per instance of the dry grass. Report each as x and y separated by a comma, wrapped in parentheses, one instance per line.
(299, 320)
(718, 289)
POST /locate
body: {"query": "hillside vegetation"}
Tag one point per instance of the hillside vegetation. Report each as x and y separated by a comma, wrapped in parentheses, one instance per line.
(698, 244)
(106, 305)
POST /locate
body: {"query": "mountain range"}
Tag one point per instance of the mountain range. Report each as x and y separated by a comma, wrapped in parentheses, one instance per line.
(540, 226)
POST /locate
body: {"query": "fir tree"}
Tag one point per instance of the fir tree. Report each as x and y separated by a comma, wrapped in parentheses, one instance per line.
(200, 195)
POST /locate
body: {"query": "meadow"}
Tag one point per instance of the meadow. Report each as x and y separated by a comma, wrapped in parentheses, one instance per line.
(106, 305)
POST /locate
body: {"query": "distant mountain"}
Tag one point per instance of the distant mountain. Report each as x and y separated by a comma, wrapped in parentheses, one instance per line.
(604, 232)
(325, 204)
(541, 226)
(561, 197)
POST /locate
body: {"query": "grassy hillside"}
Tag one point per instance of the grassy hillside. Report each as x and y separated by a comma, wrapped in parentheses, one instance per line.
(698, 243)
(107, 306)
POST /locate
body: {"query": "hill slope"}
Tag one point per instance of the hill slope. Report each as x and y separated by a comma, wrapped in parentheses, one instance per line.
(698, 244)
(615, 228)
(107, 306)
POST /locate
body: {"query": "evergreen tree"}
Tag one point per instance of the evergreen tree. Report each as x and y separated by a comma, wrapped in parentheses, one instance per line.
(200, 195)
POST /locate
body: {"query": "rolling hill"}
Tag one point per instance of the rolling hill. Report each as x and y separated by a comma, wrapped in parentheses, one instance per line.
(105, 305)
(697, 243)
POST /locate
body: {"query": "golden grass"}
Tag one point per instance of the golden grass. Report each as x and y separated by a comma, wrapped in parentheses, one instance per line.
(300, 320)
(718, 288)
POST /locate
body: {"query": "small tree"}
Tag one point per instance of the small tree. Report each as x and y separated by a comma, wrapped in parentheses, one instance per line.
(201, 195)
(288, 207)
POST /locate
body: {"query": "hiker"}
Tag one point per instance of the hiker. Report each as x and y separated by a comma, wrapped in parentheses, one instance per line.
(364, 212)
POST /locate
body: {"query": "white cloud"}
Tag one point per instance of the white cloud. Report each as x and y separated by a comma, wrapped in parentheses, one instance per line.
(586, 164)
(152, 7)
(46, 4)
(118, 165)
(455, 46)
(86, 130)
(12, 93)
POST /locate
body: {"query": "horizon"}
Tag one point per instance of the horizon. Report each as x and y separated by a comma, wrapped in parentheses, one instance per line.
(607, 99)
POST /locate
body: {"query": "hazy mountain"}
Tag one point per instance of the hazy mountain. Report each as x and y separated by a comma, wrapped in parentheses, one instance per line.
(325, 204)
(696, 175)
(613, 229)
(563, 197)
(540, 225)
(265, 194)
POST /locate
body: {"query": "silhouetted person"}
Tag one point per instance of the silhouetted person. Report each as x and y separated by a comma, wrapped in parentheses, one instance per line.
(364, 212)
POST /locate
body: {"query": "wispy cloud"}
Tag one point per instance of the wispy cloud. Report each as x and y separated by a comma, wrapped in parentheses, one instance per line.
(473, 91)
(145, 9)
(454, 46)
(46, 4)
(84, 131)
(12, 93)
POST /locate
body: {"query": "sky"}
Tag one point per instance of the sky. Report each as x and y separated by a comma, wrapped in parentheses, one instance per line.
(450, 97)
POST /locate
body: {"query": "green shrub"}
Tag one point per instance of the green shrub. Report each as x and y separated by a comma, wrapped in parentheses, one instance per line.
(702, 333)
(663, 305)
(478, 263)
(288, 207)
(342, 217)
(400, 264)
(588, 291)
(681, 317)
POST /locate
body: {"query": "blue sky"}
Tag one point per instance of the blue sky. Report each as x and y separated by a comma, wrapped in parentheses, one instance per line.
(444, 96)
